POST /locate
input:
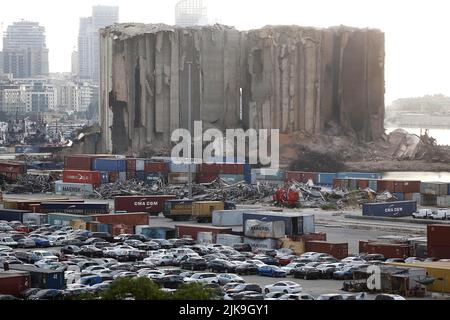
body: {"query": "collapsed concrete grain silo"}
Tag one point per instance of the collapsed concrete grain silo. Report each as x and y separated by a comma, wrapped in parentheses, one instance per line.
(279, 77)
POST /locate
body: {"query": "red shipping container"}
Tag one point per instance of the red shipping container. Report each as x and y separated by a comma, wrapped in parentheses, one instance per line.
(10, 167)
(363, 246)
(438, 235)
(153, 166)
(193, 230)
(301, 176)
(222, 168)
(389, 250)
(383, 185)
(439, 252)
(207, 177)
(337, 250)
(78, 176)
(309, 237)
(151, 204)
(127, 219)
(79, 162)
(131, 165)
(363, 183)
(131, 175)
(407, 186)
(14, 282)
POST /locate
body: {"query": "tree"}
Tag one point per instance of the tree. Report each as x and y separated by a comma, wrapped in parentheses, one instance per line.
(136, 288)
(194, 291)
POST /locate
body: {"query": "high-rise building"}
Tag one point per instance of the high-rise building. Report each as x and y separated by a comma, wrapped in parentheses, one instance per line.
(25, 53)
(89, 40)
(75, 64)
(190, 13)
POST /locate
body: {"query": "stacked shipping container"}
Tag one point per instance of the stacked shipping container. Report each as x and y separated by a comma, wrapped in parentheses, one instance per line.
(438, 240)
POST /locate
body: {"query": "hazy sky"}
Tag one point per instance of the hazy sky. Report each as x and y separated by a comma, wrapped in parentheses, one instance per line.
(417, 31)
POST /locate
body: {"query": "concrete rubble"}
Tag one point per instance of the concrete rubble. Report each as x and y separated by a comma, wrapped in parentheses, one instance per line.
(279, 77)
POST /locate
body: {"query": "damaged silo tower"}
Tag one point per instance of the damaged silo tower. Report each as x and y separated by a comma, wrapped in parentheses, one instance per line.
(288, 77)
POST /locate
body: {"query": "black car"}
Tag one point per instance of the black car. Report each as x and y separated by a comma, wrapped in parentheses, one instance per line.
(247, 269)
(72, 242)
(90, 252)
(48, 294)
(219, 265)
(137, 237)
(70, 249)
(7, 297)
(194, 263)
(307, 273)
(163, 243)
(103, 235)
(242, 247)
(170, 281)
(27, 257)
(245, 287)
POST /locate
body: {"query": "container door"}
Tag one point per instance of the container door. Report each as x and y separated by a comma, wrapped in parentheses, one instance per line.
(295, 226)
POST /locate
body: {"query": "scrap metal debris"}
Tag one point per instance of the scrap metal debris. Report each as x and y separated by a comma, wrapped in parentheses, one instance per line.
(32, 184)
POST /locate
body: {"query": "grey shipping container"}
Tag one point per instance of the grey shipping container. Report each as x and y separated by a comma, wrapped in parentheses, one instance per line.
(262, 230)
(309, 225)
(443, 201)
(293, 221)
(262, 243)
(12, 215)
(37, 218)
(228, 239)
(428, 200)
(434, 188)
(390, 209)
(73, 188)
(156, 232)
(231, 218)
(205, 238)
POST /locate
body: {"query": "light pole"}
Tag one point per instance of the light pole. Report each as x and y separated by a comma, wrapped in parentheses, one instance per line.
(190, 129)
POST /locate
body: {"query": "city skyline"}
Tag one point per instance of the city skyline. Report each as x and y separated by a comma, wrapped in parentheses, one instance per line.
(404, 77)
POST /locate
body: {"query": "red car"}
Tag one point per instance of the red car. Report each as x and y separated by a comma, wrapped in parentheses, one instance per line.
(284, 261)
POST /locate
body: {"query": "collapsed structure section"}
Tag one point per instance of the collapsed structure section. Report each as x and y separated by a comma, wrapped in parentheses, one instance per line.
(284, 77)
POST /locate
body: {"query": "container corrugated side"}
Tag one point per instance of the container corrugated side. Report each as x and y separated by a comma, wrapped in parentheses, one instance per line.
(262, 230)
(262, 243)
(228, 239)
(390, 209)
(443, 201)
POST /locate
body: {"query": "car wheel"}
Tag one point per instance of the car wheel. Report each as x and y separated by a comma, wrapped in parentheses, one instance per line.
(285, 291)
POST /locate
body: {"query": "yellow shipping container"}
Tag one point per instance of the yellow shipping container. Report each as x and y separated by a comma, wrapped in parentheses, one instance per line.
(202, 210)
(297, 246)
(11, 205)
(78, 224)
(438, 270)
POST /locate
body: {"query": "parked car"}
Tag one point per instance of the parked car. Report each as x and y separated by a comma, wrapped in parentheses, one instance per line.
(296, 296)
(48, 294)
(271, 271)
(307, 273)
(283, 286)
(247, 269)
(90, 251)
(242, 247)
(8, 241)
(170, 281)
(203, 278)
(385, 296)
(220, 265)
(70, 249)
(269, 260)
(331, 296)
(26, 243)
(245, 287)
(291, 266)
(225, 278)
(160, 260)
(441, 214)
(423, 214)
(194, 263)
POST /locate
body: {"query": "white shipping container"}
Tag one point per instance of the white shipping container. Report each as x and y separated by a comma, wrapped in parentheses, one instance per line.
(417, 197)
(228, 239)
(63, 188)
(140, 165)
(204, 238)
(231, 218)
(262, 243)
(262, 229)
(37, 218)
(122, 176)
(309, 224)
(443, 202)
(140, 229)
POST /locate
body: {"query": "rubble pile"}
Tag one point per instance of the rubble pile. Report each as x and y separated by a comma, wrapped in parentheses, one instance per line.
(32, 184)
(218, 190)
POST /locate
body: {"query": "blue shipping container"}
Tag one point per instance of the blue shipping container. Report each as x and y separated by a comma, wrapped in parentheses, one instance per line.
(42, 278)
(103, 164)
(399, 195)
(390, 209)
(75, 208)
(151, 177)
(12, 215)
(325, 179)
(248, 173)
(358, 175)
(27, 149)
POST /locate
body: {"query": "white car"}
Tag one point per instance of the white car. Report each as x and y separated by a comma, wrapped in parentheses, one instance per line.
(423, 214)
(353, 260)
(42, 254)
(95, 269)
(56, 240)
(385, 296)
(8, 241)
(440, 214)
(151, 274)
(164, 260)
(296, 296)
(45, 263)
(313, 256)
(259, 263)
(291, 266)
(203, 278)
(284, 286)
(225, 278)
